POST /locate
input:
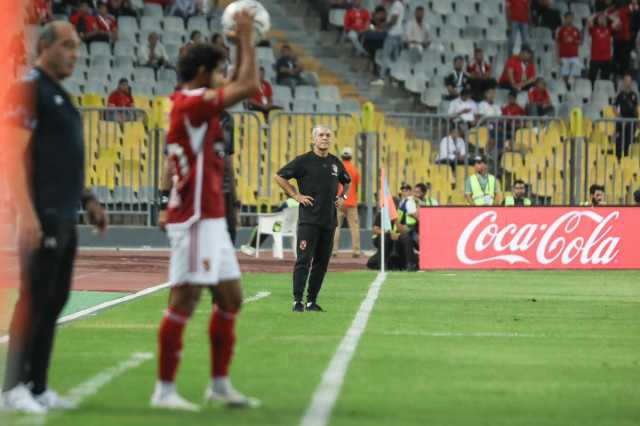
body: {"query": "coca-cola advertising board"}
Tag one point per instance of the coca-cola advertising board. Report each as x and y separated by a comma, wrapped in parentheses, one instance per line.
(530, 238)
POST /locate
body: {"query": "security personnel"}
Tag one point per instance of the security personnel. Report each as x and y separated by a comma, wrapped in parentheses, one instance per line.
(317, 174)
(517, 199)
(47, 160)
(482, 188)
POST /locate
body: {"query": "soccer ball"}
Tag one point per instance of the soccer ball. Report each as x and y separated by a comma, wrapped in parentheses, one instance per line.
(261, 20)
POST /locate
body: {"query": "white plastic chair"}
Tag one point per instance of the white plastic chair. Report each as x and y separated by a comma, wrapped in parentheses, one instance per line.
(288, 218)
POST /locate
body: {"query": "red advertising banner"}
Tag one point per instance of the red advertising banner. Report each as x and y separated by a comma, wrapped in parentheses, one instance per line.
(530, 238)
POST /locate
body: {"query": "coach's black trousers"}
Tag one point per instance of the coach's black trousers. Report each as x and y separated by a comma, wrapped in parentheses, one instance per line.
(315, 245)
(44, 290)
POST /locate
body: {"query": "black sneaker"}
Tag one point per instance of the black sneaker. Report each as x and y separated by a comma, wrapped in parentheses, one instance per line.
(298, 307)
(313, 307)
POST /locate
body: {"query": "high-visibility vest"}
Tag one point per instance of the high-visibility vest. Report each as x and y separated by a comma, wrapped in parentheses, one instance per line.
(510, 201)
(480, 197)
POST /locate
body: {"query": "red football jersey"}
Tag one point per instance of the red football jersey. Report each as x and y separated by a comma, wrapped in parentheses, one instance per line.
(601, 49)
(198, 160)
(568, 39)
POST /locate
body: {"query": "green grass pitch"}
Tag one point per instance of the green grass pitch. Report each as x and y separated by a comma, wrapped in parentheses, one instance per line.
(464, 348)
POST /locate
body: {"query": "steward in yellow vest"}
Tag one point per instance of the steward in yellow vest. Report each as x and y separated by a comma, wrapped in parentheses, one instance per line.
(482, 188)
(517, 198)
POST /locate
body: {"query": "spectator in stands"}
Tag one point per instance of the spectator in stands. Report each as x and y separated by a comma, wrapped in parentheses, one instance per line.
(452, 149)
(601, 53)
(464, 109)
(121, 98)
(356, 22)
(218, 40)
(480, 78)
(194, 37)
(620, 14)
(457, 80)
(517, 22)
(626, 106)
(121, 8)
(518, 197)
(153, 53)
(636, 197)
(568, 40)
(520, 71)
(417, 32)
(393, 41)
(185, 8)
(373, 39)
(289, 73)
(512, 107)
(545, 15)
(482, 188)
(488, 108)
(596, 196)
(263, 100)
(40, 12)
(85, 24)
(106, 23)
(539, 101)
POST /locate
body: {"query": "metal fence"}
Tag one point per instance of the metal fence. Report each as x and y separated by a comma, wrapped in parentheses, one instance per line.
(124, 156)
(121, 162)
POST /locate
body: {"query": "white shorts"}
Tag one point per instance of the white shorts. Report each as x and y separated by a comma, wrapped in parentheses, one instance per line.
(202, 254)
(570, 67)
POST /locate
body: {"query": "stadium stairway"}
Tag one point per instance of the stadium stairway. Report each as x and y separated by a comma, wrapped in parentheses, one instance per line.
(333, 61)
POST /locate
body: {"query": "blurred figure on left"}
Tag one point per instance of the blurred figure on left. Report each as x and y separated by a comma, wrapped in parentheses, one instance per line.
(47, 156)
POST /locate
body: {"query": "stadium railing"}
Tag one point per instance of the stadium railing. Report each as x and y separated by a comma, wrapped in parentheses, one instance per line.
(125, 151)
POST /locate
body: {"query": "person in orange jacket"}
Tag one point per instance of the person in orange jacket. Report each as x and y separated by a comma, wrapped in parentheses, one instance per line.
(350, 206)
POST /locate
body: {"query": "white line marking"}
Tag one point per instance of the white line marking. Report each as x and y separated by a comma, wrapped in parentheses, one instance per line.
(104, 305)
(259, 295)
(326, 394)
(91, 386)
(455, 334)
(141, 293)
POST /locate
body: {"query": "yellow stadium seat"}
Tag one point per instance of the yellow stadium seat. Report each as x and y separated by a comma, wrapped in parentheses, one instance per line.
(94, 100)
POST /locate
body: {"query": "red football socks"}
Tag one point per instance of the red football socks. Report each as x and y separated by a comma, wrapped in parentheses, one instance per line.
(222, 339)
(170, 343)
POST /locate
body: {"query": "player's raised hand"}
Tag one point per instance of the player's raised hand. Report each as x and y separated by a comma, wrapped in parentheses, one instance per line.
(244, 27)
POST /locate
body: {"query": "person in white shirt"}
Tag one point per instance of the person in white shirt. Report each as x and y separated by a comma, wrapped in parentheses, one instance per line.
(153, 54)
(417, 32)
(488, 108)
(464, 108)
(452, 149)
(393, 41)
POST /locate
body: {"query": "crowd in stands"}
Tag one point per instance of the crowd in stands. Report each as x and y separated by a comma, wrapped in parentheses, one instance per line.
(564, 46)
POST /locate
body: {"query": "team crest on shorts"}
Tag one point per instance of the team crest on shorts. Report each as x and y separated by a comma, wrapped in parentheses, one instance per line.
(303, 245)
(206, 264)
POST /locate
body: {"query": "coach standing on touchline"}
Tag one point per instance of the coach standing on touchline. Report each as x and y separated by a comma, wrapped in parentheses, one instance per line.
(318, 174)
(47, 155)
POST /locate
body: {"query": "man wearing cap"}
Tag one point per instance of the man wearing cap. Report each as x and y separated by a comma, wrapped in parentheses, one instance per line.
(350, 206)
(518, 197)
(482, 188)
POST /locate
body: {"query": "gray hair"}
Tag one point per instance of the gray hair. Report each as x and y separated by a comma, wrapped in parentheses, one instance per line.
(49, 34)
(319, 127)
